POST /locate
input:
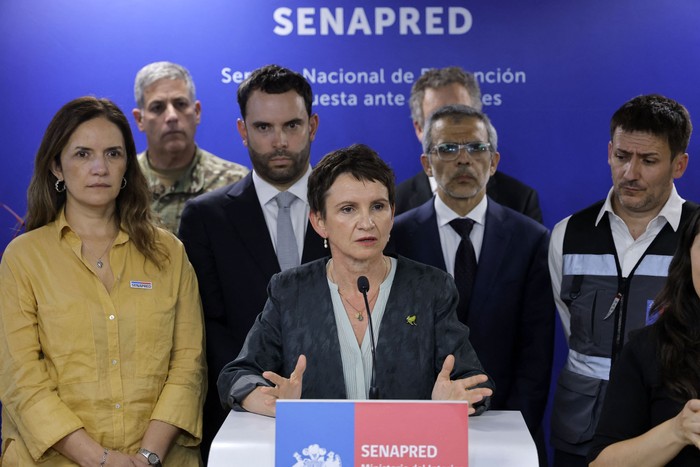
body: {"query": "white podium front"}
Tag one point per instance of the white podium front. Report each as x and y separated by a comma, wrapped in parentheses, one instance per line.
(495, 439)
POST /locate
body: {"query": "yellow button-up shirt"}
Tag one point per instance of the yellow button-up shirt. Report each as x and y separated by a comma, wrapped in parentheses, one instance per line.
(74, 355)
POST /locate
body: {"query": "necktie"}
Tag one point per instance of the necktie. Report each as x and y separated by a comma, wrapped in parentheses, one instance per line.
(465, 266)
(287, 250)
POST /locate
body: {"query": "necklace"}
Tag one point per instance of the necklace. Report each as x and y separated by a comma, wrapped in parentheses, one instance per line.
(359, 315)
(99, 262)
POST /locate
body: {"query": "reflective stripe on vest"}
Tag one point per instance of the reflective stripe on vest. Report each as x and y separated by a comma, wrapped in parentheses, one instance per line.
(587, 365)
(604, 265)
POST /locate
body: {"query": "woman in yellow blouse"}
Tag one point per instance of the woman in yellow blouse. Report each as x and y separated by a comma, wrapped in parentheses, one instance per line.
(101, 335)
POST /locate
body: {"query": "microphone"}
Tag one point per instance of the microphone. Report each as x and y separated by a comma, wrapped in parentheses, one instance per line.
(363, 287)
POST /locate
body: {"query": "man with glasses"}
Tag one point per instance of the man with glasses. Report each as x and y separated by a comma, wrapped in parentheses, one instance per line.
(497, 256)
(453, 85)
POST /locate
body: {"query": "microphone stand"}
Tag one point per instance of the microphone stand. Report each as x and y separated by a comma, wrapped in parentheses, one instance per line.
(363, 287)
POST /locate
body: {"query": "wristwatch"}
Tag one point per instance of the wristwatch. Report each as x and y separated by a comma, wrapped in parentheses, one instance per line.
(151, 457)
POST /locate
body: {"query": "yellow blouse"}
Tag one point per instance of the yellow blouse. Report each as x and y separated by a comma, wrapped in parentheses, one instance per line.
(73, 355)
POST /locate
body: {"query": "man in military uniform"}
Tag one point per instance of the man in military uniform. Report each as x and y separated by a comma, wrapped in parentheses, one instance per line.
(175, 167)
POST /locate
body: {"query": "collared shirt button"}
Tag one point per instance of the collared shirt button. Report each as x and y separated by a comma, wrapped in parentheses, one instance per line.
(117, 406)
(114, 362)
(111, 317)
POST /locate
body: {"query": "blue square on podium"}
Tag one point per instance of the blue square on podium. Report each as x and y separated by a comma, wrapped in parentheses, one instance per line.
(316, 432)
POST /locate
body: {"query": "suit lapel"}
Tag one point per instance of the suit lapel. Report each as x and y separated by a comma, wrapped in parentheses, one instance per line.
(422, 190)
(426, 232)
(247, 220)
(497, 238)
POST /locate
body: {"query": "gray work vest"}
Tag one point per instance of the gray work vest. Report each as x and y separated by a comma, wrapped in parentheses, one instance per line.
(604, 308)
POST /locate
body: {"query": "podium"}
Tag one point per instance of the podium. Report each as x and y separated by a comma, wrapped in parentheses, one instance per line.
(496, 438)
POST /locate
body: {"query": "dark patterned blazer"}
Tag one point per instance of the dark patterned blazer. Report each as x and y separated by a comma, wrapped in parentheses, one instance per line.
(298, 319)
(511, 313)
(229, 245)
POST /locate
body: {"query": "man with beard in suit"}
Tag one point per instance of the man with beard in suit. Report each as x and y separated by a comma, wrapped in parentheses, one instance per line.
(238, 236)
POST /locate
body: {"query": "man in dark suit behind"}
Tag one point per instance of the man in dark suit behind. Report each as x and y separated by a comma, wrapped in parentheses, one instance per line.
(452, 85)
(231, 234)
(507, 305)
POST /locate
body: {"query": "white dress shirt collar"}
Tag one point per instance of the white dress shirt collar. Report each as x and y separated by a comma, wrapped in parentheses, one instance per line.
(450, 239)
(670, 212)
(267, 191)
(299, 211)
(445, 214)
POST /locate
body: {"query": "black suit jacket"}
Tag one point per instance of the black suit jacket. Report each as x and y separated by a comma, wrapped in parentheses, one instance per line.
(228, 243)
(298, 319)
(511, 315)
(502, 188)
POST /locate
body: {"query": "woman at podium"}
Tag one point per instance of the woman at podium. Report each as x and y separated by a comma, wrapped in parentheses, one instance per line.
(314, 338)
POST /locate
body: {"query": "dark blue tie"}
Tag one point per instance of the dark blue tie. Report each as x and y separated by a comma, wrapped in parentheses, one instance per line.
(465, 266)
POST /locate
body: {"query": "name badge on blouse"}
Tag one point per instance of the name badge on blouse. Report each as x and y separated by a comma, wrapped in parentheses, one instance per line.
(141, 285)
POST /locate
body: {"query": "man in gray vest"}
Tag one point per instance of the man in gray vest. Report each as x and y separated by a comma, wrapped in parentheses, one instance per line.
(608, 261)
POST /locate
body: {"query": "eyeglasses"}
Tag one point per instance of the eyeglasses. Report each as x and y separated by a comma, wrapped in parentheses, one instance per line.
(450, 151)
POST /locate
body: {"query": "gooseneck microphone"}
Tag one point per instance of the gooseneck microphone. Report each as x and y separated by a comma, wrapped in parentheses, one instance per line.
(363, 287)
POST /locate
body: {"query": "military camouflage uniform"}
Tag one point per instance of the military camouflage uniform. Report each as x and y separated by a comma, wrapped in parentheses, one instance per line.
(207, 173)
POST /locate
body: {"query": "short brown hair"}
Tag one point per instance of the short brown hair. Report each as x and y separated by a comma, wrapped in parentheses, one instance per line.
(360, 161)
(274, 79)
(657, 115)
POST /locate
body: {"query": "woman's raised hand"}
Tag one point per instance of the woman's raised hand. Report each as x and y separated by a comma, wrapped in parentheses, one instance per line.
(460, 389)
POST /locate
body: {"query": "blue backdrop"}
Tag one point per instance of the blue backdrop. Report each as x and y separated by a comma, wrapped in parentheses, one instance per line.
(552, 73)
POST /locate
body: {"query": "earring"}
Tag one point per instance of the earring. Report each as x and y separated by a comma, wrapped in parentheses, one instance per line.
(60, 186)
(325, 243)
(123, 185)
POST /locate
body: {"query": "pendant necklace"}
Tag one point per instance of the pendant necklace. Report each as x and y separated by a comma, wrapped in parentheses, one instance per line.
(99, 262)
(359, 314)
